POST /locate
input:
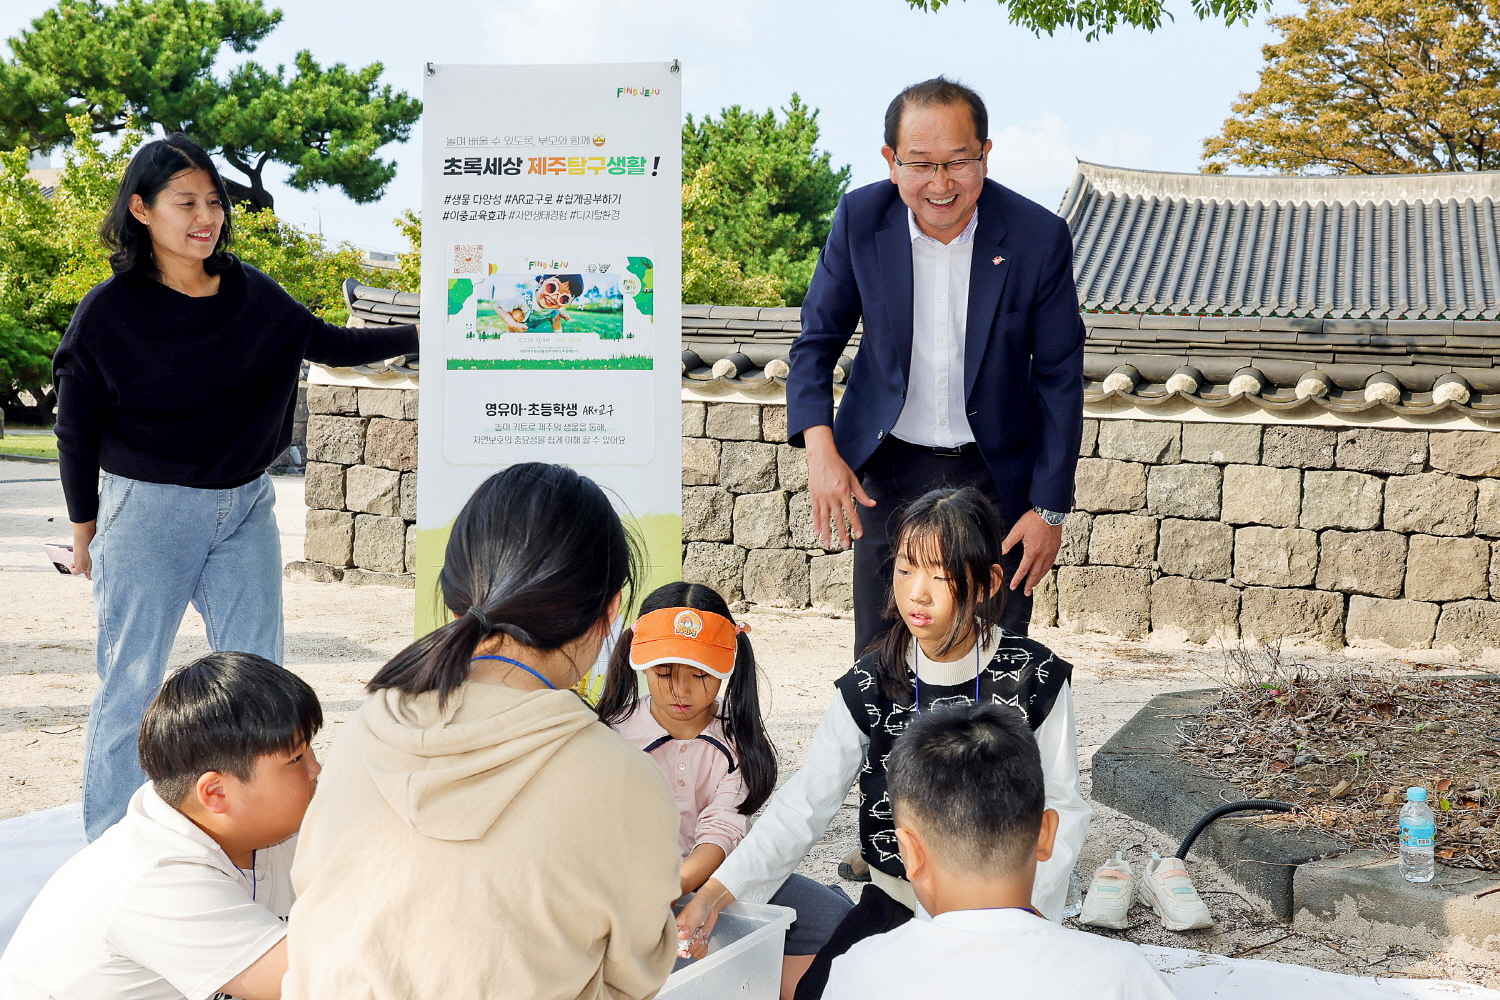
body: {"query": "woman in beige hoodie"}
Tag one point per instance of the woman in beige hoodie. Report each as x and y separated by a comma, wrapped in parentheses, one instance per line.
(477, 831)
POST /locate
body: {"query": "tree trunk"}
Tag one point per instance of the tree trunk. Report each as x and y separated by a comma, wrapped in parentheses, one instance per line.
(17, 411)
(250, 199)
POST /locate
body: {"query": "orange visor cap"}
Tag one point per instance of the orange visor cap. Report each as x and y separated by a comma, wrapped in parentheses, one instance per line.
(700, 639)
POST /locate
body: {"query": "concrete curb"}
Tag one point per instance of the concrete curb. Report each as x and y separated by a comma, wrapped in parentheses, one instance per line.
(33, 459)
(1140, 773)
(1369, 885)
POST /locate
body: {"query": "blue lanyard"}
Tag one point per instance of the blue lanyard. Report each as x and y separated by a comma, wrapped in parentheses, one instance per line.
(254, 883)
(916, 670)
(522, 666)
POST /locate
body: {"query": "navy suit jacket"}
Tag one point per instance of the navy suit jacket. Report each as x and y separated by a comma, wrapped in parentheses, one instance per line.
(1023, 350)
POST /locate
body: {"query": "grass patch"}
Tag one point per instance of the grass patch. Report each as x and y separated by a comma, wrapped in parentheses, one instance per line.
(628, 362)
(30, 445)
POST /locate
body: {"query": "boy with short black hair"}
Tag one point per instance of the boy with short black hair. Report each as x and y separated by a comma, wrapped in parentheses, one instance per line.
(966, 787)
(187, 896)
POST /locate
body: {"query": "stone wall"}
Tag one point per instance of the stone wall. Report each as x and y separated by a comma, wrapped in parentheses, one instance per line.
(746, 517)
(361, 486)
(294, 458)
(1205, 531)
(1326, 536)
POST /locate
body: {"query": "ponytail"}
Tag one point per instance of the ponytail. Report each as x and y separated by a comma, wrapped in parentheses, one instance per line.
(537, 553)
(746, 730)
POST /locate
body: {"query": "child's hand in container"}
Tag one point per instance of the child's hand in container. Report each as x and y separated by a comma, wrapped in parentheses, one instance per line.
(696, 921)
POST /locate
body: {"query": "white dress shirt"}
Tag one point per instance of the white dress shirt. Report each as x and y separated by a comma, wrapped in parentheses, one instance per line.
(800, 810)
(934, 413)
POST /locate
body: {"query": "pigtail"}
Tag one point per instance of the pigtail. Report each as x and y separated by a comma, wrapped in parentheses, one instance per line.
(621, 684)
(746, 729)
(439, 660)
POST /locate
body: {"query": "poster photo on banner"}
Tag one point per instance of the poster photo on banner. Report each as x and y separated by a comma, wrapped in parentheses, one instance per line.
(551, 290)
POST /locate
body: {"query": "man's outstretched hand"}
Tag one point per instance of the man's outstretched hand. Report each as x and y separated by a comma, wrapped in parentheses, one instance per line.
(1040, 542)
(834, 488)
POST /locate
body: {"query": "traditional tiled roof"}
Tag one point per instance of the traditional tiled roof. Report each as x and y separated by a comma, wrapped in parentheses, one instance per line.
(383, 307)
(745, 347)
(1276, 363)
(1408, 246)
(1408, 367)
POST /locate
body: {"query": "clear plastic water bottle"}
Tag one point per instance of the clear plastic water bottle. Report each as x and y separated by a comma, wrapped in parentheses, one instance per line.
(1073, 906)
(1417, 832)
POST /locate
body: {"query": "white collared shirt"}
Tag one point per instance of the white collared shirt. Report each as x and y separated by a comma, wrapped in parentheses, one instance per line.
(934, 413)
(152, 910)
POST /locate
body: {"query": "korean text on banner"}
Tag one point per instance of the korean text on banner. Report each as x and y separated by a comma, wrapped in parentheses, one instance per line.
(551, 292)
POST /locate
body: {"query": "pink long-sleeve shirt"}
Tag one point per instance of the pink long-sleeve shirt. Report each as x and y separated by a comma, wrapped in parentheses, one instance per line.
(708, 787)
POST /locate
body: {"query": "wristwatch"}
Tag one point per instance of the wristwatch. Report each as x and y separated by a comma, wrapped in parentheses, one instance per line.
(1052, 517)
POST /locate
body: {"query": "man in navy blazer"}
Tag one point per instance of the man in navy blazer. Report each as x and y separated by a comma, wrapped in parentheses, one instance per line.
(970, 370)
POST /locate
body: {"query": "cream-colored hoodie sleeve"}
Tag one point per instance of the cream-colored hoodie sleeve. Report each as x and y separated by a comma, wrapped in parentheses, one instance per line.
(643, 939)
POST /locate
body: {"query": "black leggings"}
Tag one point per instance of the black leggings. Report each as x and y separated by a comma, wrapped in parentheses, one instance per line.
(875, 913)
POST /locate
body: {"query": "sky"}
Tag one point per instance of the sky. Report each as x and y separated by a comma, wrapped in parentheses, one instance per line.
(1134, 99)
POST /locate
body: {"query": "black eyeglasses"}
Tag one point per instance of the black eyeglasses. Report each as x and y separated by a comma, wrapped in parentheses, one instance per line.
(922, 170)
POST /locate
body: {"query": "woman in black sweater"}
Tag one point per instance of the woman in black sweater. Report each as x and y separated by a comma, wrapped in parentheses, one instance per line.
(178, 379)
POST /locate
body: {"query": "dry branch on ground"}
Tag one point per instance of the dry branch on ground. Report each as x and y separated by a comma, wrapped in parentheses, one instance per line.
(1344, 747)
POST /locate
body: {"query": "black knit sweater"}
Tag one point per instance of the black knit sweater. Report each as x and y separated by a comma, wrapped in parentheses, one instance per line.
(167, 388)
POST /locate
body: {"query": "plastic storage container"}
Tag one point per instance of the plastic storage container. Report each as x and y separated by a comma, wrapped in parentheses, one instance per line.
(743, 960)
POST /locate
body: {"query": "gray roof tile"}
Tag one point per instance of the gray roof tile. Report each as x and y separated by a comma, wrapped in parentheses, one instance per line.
(1411, 246)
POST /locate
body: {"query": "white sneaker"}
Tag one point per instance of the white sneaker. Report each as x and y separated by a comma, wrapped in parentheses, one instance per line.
(1110, 895)
(1167, 889)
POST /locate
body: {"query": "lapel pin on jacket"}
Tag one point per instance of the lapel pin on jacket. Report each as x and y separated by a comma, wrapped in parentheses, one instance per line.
(998, 260)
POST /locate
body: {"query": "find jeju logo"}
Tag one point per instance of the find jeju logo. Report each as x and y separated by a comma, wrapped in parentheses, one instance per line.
(637, 92)
(687, 624)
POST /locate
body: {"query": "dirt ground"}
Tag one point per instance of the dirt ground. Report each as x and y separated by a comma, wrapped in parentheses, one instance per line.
(337, 635)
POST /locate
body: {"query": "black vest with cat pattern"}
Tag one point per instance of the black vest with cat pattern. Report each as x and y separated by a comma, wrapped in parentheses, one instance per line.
(1022, 673)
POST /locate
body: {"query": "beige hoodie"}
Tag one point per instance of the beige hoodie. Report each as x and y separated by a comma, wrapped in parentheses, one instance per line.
(507, 845)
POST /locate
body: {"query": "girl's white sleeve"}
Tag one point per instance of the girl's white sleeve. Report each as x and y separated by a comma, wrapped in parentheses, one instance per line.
(800, 810)
(1057, 738)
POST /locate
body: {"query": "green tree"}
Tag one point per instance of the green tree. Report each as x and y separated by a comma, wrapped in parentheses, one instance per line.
(1371, 87)
(152, 62)
(304, 263)
(759, 193)
(1096, 18)
(49, 256)
(714, 278)
(408, 277)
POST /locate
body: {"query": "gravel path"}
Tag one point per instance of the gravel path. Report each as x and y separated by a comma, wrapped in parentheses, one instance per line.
(338, 635)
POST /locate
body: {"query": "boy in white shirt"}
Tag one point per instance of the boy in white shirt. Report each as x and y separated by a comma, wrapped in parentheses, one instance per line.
(967, 790)
(187, 896)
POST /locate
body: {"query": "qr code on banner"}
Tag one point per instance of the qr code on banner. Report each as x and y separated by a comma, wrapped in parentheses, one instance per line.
(468, 259)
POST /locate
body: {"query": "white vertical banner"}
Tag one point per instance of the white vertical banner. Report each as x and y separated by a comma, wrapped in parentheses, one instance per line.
(551, 291)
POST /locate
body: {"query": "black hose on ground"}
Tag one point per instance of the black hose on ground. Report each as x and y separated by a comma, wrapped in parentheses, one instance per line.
(1270, 805)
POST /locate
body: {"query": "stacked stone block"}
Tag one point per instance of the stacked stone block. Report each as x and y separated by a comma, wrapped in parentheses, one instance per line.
(746, 515)
(361, 486)
(1359, 536)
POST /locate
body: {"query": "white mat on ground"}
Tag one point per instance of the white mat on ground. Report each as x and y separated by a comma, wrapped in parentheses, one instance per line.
(32, 847)
(1196, 976)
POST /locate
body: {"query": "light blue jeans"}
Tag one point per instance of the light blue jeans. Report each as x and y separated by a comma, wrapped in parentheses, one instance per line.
(157, 548)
